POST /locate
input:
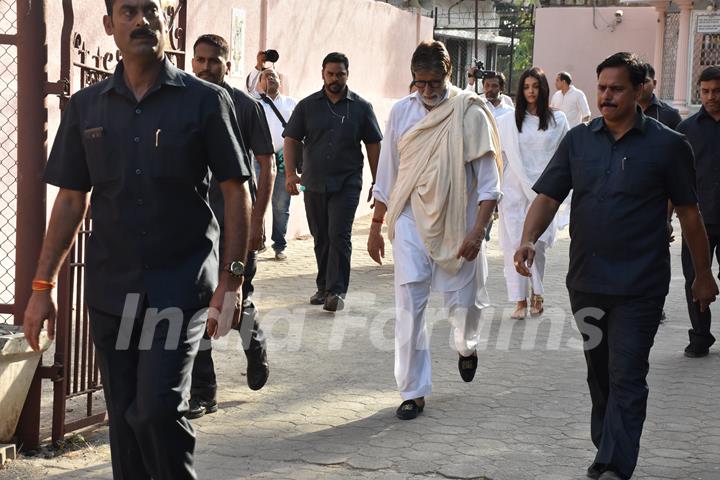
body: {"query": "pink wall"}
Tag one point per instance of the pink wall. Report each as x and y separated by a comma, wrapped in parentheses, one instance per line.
(378, 39)
(565, 39)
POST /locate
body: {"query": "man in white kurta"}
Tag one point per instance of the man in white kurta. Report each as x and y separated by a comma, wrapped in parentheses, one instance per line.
(570, 100)
(420, 263)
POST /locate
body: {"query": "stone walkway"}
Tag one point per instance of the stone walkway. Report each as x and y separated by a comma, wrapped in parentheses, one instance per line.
(328, 408)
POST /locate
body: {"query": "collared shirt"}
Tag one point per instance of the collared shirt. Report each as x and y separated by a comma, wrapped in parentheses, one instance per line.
(254, 140)
(147, 163)
(703, 133)
(500, 110)
(573, 103)
(285, 106)
(663, 113)
(332, 157)
(618, 215)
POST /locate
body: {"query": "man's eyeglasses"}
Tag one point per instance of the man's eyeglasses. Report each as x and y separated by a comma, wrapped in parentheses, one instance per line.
(433, 83)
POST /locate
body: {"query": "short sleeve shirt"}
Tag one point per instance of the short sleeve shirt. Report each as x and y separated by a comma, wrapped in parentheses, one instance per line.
(147, 164)
(703, 133)
(254, 140)
(618, 215)
(663, 113)
(332, 157)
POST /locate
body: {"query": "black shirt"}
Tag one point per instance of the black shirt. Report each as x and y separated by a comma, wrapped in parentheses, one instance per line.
(254, 140)
(332, 157)
(703, 133)
(147, 164)
(663, 113)
(618, 214)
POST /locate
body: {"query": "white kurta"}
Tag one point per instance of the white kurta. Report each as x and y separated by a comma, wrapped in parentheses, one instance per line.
(525, 156)
(573, 104)
(416, 273)
(482, 184)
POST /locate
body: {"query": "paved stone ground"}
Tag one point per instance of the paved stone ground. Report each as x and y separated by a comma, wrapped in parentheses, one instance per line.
(328, 409)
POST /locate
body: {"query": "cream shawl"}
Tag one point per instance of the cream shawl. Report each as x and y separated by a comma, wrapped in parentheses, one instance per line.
(431, 172)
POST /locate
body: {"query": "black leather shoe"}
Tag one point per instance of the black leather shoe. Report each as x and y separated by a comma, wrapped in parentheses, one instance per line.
(318, 298)
(610, 475)
(200, 407)
(467, 367)
(693, 351)
(258, 369)
(334, 303)
(409, 410)
(595, 470)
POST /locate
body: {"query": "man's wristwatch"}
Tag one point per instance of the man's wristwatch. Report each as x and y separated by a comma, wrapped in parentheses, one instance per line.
(236, 268)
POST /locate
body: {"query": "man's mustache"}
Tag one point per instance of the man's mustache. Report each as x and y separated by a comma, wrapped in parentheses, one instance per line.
(607, 104)
(143, 33)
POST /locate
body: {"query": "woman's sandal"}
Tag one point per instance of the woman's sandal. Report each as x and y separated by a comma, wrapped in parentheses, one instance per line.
(520, 312)
(537, 305)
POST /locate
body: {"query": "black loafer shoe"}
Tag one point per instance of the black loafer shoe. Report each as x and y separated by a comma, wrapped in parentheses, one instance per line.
(258, 369)
(595, 470)
(610, 475)
(467, 367)
(200, 407)
(318, 298)
(334, 303)
(409, 410)
(692, 351)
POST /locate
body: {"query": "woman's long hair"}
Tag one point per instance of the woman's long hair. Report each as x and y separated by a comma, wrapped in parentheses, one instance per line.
(543, 100)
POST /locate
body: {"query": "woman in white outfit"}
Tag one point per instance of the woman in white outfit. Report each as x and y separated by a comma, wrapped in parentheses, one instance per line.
(529, 139)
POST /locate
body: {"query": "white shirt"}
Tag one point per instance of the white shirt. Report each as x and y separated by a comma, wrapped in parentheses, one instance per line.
(500, 110)
(483, 183)
(252, 80)
(573, 104)
(285, 105)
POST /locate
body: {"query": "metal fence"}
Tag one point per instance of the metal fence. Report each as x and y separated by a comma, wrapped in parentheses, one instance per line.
(706, 53)
(670, 42)
(8, 157)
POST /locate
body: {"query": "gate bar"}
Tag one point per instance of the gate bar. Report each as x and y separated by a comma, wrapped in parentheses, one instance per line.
(32, 119)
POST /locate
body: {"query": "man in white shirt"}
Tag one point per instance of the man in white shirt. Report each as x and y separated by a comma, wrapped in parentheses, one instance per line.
(268, 88)
(437, 238)
(570, 100)
(499, 101)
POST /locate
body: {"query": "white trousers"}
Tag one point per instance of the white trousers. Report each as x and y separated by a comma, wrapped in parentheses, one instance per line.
(518, 287)
(412, 342)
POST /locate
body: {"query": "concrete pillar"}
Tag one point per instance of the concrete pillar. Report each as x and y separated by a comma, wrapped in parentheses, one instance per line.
(661, 9)
(681, 67)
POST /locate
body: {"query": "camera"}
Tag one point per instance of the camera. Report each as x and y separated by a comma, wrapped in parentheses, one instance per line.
(480, 73)
(271, 56)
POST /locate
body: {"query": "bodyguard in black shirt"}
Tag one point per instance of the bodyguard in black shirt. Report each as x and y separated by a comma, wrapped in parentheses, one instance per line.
(142, 144)
(703, 133)
(331, 123)
(623, 168)
(210, 62)
(652, 106)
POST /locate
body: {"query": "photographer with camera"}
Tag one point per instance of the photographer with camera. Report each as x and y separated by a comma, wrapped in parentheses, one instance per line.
(253, 78)
(493, 84)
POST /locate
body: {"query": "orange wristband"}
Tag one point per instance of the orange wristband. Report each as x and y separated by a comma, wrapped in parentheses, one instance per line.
(377, 220)
(42, 285)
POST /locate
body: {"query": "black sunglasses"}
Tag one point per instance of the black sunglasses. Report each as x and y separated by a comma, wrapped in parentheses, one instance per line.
(432, 83)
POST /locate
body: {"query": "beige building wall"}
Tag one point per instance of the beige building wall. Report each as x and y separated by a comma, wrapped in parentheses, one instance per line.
(379, 40)
(565, 39)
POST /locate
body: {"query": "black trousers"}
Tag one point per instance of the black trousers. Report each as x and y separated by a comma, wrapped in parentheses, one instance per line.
(204, 381)
(330, 218)
(619, 332)
(146, 369)
(700, 335)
